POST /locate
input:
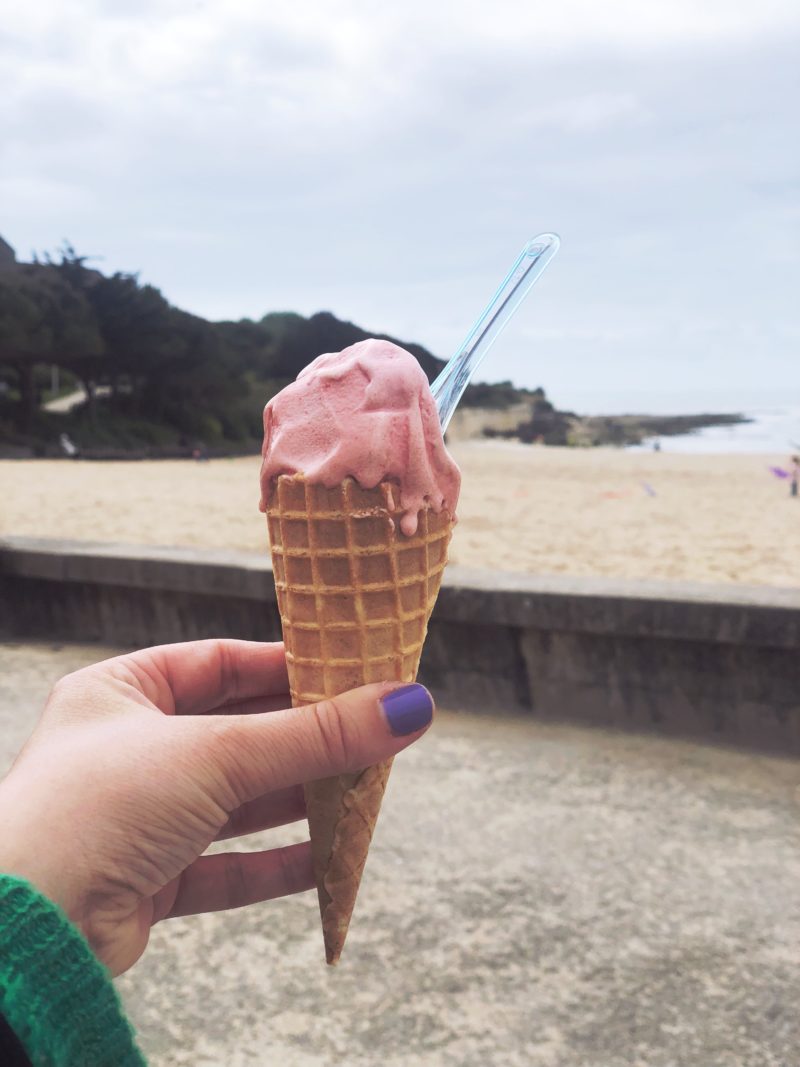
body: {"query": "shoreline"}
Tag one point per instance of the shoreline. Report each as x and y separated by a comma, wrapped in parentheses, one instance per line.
(531, 420)
(593, 431)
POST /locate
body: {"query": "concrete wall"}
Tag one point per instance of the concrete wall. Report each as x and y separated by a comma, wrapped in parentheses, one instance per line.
(720, 662)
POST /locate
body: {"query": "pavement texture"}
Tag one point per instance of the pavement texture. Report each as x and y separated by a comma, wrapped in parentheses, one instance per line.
(536, 895)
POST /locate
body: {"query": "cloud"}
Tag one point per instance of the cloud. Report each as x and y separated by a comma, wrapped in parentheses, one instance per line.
(388, 163)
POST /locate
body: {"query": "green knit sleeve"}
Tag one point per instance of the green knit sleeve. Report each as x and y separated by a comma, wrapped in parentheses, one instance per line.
(55, 994)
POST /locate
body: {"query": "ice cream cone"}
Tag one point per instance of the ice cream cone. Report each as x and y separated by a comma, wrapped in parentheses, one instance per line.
(355, 595)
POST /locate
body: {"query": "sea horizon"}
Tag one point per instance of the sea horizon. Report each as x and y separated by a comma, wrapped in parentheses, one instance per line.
(768, 430)
(773, 415)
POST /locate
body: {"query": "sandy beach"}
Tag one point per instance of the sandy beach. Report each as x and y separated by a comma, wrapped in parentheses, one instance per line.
(710, 518)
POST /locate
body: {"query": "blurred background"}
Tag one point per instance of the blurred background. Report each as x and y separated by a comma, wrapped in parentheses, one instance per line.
(211, 196)
(387, 166)
(196, 200)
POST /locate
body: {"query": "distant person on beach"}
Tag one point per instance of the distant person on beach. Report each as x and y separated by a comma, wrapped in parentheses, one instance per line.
(795, 470)
(137, 765)
(68, 447)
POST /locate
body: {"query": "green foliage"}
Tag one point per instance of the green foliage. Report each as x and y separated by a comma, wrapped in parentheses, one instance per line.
(296, 341)
(109, 429)
(169, 378)
(44, 318)
(501, 395)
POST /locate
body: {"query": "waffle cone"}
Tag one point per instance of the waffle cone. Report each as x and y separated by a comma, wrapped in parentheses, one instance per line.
(355, 595)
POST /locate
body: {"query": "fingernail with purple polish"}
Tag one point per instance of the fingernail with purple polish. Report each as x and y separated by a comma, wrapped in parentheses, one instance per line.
(408, 709)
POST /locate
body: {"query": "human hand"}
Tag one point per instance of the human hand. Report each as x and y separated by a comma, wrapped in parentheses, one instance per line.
(138, 763)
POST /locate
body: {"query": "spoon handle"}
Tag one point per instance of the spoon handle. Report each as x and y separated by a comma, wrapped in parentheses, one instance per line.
(528, 267)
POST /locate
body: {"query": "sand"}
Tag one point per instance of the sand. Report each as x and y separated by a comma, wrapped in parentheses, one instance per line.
(709, 518)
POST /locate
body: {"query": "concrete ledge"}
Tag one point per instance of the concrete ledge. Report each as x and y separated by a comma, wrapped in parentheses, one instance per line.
(713, 661)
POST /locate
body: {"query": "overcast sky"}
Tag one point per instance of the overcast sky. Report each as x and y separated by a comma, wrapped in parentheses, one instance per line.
(387, 164)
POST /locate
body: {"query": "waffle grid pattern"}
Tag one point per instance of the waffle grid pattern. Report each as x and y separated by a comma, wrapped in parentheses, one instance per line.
(354, 593)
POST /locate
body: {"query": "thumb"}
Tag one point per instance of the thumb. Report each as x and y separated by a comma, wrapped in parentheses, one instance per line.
(262, 752)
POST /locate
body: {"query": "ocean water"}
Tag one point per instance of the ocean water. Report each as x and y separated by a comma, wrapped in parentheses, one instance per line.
(772, 430)
(775, 415)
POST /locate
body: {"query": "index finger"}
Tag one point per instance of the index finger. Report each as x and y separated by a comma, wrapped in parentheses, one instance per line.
(199, 676)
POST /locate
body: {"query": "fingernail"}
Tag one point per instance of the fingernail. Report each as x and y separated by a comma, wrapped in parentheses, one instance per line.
(408, 709)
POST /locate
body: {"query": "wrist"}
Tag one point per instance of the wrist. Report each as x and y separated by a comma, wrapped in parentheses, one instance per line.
(28, 853)
(21, 862)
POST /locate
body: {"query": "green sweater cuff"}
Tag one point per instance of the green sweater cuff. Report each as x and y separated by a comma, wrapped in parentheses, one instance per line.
(55, 994)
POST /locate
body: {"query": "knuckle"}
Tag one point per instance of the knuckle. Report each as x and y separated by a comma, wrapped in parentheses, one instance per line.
(333, 735)
(69, 699)
(229, 673)
(64, 687)
(232, 827)
(227, 760)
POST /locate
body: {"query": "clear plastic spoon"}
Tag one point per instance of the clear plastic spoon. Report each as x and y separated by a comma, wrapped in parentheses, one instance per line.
(530, 264)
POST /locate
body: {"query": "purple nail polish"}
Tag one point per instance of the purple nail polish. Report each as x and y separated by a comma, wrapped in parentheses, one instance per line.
(408, 709)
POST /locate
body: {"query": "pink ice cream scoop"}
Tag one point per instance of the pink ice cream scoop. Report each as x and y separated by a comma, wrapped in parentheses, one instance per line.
(366, 413)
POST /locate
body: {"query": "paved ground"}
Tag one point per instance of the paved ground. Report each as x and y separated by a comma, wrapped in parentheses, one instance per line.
(536, 896)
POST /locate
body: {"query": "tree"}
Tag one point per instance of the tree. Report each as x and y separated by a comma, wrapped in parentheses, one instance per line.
(297, 341)
(43, 319)
(135, 322)
(172, 374)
